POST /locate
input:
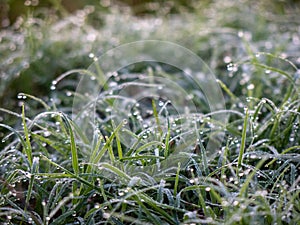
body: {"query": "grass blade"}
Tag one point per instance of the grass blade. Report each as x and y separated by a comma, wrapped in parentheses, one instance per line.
(243, 141)
(27, 148)
(73, 145)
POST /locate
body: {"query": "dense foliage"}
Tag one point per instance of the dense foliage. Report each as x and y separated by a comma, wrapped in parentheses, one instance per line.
(51, 172)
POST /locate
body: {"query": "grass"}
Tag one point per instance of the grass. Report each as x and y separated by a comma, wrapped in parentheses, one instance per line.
(56, 169)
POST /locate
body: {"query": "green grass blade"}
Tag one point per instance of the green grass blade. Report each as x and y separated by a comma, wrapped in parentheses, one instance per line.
(28, 149)
(100, 154)
(243, 141)
(176, 180)
(73, 145)
(243, 189)
(156, 117)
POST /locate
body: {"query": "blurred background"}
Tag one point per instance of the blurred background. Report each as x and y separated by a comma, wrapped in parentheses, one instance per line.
(10, 10)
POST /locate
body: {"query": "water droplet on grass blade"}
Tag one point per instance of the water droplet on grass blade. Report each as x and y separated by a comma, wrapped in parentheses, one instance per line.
(27, 174)
(250, 87)
(47, 133)
(232, 67)
(21, 96)
(192, 181)
(235, 203)
(68, 93)
(267, 71)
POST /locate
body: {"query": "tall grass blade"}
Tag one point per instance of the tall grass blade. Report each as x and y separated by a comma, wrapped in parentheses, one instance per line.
(27, 147)
(243, 141)
(73, 145)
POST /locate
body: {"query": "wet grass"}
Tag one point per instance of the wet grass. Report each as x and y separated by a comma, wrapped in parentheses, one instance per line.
(57, 170)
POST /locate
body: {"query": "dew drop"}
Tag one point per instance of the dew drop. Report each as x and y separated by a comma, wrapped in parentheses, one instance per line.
(192, 181)
(250, 87)
(227, 59)
(232, 67)
(267, 71)
(241, 34)
(28, 175)
(47, 133)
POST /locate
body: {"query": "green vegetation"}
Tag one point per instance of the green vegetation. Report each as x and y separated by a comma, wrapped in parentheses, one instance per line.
(58, 170)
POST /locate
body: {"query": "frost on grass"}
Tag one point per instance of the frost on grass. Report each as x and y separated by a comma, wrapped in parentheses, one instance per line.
(77, 177)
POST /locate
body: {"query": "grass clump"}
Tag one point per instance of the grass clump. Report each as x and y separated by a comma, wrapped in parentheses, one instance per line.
(110, 169)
